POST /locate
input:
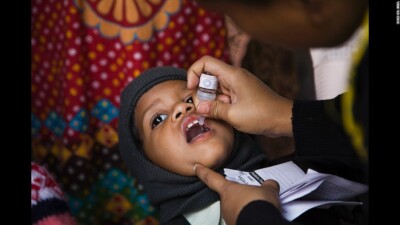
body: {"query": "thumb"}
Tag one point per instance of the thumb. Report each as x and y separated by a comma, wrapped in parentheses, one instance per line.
(271, 187)
(274, 185)
(214, 109)
(212, 179)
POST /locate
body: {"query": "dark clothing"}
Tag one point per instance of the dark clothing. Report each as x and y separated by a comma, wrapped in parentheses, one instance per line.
(261, 212)
(323, 140)
(319, 132)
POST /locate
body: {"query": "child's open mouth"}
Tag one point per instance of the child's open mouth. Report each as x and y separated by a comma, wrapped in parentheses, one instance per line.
(194, 130)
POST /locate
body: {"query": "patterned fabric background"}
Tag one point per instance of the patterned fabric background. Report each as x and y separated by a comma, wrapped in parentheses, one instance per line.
(83, 53)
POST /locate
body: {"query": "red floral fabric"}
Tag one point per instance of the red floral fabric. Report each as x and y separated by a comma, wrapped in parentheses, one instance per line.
(84, 52)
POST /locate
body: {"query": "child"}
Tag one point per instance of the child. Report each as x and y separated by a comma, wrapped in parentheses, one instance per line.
(161, 140)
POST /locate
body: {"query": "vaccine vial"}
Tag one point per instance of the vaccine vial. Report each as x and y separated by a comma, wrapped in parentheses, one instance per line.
(207, 90)
(207, 87)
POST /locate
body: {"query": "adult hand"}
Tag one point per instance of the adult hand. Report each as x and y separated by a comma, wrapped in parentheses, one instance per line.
(235, 196)
(243, 100)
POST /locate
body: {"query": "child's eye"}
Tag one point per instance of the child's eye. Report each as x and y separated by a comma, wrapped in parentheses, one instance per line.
(157, 120)
(189, 100)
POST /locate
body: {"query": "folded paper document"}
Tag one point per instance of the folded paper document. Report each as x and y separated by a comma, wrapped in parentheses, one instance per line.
(301, 191)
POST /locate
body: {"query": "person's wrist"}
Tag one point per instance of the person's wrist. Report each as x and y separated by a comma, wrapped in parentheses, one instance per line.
(282, 122)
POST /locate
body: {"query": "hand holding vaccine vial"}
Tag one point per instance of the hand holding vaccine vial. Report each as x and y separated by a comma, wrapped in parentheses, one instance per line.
(207, 90)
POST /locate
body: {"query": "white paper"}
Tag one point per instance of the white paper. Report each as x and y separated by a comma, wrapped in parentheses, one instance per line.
(240, 177)
(285, 174)
(301, 191)
(292, 210)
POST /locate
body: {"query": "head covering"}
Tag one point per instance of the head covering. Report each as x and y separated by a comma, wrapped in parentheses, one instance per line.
(172, 193)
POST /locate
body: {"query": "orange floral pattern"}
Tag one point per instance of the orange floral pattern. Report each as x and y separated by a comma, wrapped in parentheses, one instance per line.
(129, 19)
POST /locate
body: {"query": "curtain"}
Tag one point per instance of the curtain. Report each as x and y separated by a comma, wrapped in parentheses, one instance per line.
(84, 52)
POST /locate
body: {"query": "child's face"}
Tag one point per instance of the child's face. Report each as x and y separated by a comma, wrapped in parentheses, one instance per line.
(163, 115)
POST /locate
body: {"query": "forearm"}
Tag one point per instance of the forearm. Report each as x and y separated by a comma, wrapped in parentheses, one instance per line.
(282, 122)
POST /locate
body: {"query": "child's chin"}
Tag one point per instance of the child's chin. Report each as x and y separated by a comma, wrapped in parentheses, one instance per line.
(215, 164)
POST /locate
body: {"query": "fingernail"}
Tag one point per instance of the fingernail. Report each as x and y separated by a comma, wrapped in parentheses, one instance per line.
(203, 108)
(194, 167)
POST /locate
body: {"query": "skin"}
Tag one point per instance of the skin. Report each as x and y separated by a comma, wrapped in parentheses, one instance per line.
(165, 144)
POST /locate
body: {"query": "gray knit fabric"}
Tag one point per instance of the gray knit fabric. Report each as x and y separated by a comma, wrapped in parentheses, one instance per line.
(173, 194)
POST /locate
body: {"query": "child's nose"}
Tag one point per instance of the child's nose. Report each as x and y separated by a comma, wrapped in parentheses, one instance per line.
(181, 109)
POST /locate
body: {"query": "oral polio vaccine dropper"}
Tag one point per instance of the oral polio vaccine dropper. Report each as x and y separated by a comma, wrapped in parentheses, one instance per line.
(207, 90)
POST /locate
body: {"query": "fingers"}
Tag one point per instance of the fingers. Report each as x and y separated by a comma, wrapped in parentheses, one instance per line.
(209, 64)
(224, 98)
(214, 109)
(272, 187)
(213, 180)
(192, 80)
(272, 184)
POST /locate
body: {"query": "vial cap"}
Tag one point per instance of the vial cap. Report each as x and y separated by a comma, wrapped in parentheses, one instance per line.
(208, 81)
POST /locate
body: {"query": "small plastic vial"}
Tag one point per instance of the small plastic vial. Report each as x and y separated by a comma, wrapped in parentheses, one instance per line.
(207, 87)
(207, 90)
